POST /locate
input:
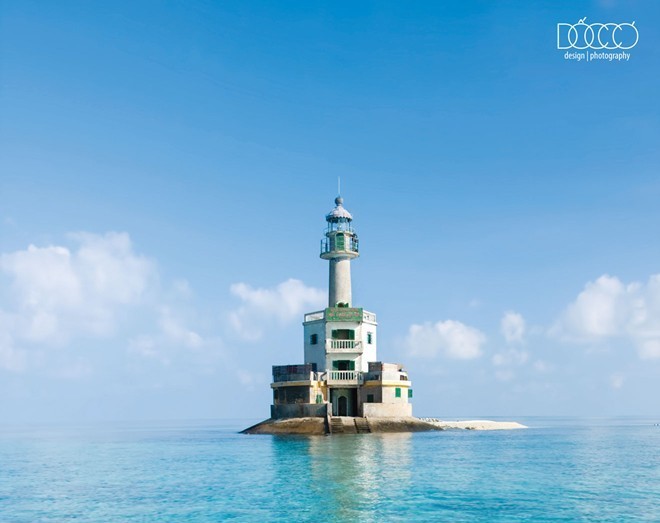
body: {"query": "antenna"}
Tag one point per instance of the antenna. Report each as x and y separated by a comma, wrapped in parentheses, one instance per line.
(338, 184)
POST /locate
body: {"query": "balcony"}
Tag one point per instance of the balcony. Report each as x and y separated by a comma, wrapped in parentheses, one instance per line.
(349, 244)
(344, 377)
(343, 345)
(289, 373)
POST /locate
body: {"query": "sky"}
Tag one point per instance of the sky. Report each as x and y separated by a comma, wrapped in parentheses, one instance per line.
(165, 170)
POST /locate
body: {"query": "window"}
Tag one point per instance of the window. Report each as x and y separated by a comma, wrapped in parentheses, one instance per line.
(319, 398)
(370, 398)
(340, 243)
(343, 365)
(397, 392)
(343, 334)
(313, 339)
(370, 338)
(410, 393)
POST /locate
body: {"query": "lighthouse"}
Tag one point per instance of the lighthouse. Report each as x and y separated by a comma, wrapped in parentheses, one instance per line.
(339, 246)
(341, 375)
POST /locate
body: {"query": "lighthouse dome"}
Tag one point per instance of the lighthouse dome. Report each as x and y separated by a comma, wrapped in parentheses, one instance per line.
(339, 213)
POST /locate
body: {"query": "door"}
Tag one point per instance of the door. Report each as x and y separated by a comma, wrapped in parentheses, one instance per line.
(342, 406)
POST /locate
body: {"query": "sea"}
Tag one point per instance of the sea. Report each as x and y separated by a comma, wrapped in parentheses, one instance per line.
(559, 469)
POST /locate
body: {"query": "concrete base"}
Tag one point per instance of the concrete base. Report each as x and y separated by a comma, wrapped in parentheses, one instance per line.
(305, 426)
(317, 426)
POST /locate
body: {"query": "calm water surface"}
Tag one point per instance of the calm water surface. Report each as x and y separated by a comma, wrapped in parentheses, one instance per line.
(559, 470)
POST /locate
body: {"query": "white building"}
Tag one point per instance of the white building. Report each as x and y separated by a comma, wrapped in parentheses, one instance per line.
(341, 375)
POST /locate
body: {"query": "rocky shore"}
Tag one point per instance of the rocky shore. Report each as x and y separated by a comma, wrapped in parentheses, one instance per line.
(344, 425)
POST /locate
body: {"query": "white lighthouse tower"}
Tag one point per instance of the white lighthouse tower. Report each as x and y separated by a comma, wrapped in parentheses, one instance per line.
(341, 375)
(339, 246)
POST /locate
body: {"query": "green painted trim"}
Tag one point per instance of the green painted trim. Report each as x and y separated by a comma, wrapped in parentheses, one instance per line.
(344, 314)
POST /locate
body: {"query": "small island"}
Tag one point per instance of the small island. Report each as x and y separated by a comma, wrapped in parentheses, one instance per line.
(342, 387)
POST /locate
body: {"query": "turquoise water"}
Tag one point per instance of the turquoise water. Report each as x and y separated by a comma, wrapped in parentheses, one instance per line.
(560, 470)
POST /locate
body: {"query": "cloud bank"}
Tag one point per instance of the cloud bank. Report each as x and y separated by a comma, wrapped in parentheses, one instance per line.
(280, 304)
(609, 309)
(450, 338)
(56, 293)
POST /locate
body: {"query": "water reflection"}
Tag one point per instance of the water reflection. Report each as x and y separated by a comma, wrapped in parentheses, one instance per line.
(347, 476)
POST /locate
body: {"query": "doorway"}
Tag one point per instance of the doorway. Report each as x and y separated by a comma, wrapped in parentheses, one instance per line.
(342, 406)
(344, 402)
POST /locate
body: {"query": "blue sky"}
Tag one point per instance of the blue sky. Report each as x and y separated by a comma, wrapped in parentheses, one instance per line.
(165, 169)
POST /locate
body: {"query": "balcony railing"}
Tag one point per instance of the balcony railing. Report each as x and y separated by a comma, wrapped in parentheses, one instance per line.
(350, 244)
(344, 345)
(304, 372)
(347, 377)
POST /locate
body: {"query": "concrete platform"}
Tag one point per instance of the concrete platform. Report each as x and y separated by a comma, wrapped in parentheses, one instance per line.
(340, 425)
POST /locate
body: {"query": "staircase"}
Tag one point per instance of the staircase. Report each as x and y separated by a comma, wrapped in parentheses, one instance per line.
(347, 425)
(336, 425)
(362, 425)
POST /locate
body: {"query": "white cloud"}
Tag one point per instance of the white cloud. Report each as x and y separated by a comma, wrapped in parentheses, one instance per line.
(175, 330)
(617, 381)
(283, 303)
(510, 357)
(649, 349)
(608, 308)
(513, 327)
(11, 358)
(543, 366)
(144, 345)
(450, 338)
(57, 293)
(599, 311)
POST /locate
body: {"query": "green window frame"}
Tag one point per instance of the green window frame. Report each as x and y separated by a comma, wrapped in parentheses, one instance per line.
(343, 334)
(350, 364)
(340, 242)
(397, 392)
(410, 393)
(370, 338)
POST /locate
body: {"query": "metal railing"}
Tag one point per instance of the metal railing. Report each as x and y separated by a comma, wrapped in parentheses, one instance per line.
(283, 373)
(351, 244)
